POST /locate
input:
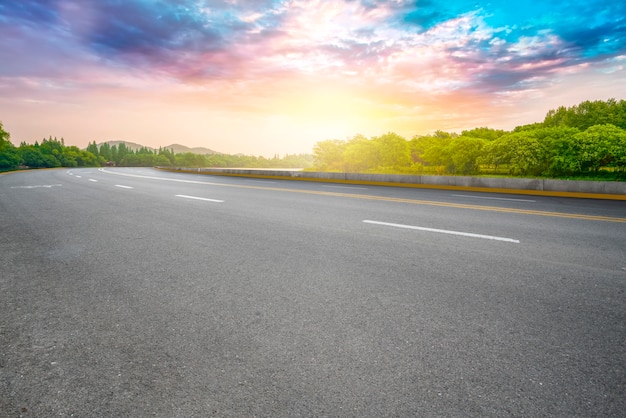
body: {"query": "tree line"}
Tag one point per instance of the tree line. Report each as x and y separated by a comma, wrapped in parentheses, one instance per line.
(586, 139)
(121, 155)
(53, 152)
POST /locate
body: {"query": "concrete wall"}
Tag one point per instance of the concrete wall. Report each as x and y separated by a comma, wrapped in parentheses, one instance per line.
(573, 188)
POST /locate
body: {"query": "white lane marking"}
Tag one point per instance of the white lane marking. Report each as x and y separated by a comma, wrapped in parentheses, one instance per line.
(95, 181)
(199, 198)
(443, 231)
(45, 186)
(122, 186)
(346, 187)
(160, 178)
(261, 181)
(494, 198)
(79, 177)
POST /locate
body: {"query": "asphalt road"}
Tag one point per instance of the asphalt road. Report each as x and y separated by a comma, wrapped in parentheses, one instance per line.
(135, 292)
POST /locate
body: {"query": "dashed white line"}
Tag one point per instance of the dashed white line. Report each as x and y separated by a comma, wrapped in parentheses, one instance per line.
(199, 198)
(122, 186)
(94, 180)
(443, 231)
(494, 198)
(45, 186)
(79, 177)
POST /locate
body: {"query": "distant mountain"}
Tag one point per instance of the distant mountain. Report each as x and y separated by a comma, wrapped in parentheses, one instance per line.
(179, 149)
(176, 148)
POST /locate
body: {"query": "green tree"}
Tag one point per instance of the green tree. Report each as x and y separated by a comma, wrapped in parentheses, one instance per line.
(32, 156)
(9, 157)
(485, 133)
(463, 153)
(360, 155)
(559, 155)
(121, 152)
(161, 161)
(601, 145)
(189, 159)
(105, 152)
(167, 154)
(435, 149)
(393, 151)
(521, 151)
(93, 148)
(587, 114)
(328, 155)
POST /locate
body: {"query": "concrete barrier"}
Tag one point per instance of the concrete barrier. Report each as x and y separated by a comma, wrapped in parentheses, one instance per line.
(613, 190)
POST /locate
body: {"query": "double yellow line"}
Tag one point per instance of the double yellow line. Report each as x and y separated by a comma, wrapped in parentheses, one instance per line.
(440, 204)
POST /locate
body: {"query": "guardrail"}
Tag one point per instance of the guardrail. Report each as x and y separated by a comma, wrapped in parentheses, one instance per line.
(613, 190)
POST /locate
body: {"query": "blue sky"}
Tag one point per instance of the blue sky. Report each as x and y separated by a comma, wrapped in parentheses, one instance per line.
(266, 77)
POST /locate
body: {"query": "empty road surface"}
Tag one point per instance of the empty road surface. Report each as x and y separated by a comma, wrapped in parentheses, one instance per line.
(136, 292)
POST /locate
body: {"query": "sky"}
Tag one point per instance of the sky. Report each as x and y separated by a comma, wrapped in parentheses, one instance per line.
(266, 77)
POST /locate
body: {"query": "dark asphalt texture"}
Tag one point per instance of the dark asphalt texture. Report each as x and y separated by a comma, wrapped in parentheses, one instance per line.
(278, 300)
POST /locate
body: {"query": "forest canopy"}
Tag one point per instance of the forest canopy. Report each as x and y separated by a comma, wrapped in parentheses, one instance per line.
(576, 141)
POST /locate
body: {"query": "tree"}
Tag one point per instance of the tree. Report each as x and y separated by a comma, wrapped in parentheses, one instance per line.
(435, 149)
(360, 155)
(587, 114)
(9, 157)
(485, 133)
(393, 151)
(32, 156)
(328, 155)
(189, 159)
(122, 151)
(463, 153)
(521, 151)
(93, 148)
(601, 145)
(105, 152)
(167, 154)
(559, 154)
(161, 161)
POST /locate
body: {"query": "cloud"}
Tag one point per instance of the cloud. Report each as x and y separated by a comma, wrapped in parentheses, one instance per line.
(29, 11)
(397, 62)
(426, 14)
(194, 40)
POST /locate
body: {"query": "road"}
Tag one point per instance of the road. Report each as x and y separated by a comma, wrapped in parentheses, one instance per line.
(136, 292)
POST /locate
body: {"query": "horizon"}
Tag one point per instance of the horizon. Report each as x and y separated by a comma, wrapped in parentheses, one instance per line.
(275, 77)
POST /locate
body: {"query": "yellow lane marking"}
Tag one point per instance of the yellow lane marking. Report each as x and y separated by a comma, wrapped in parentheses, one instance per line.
(393, 199)
(450, 205)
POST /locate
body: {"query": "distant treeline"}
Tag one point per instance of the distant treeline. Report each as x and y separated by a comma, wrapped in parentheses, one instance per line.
(50, 153)
(163, 157)
(53, 152)
(587, 139)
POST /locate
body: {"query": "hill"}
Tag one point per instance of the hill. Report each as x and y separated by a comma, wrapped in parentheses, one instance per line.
(180, 149)
(176, 148)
